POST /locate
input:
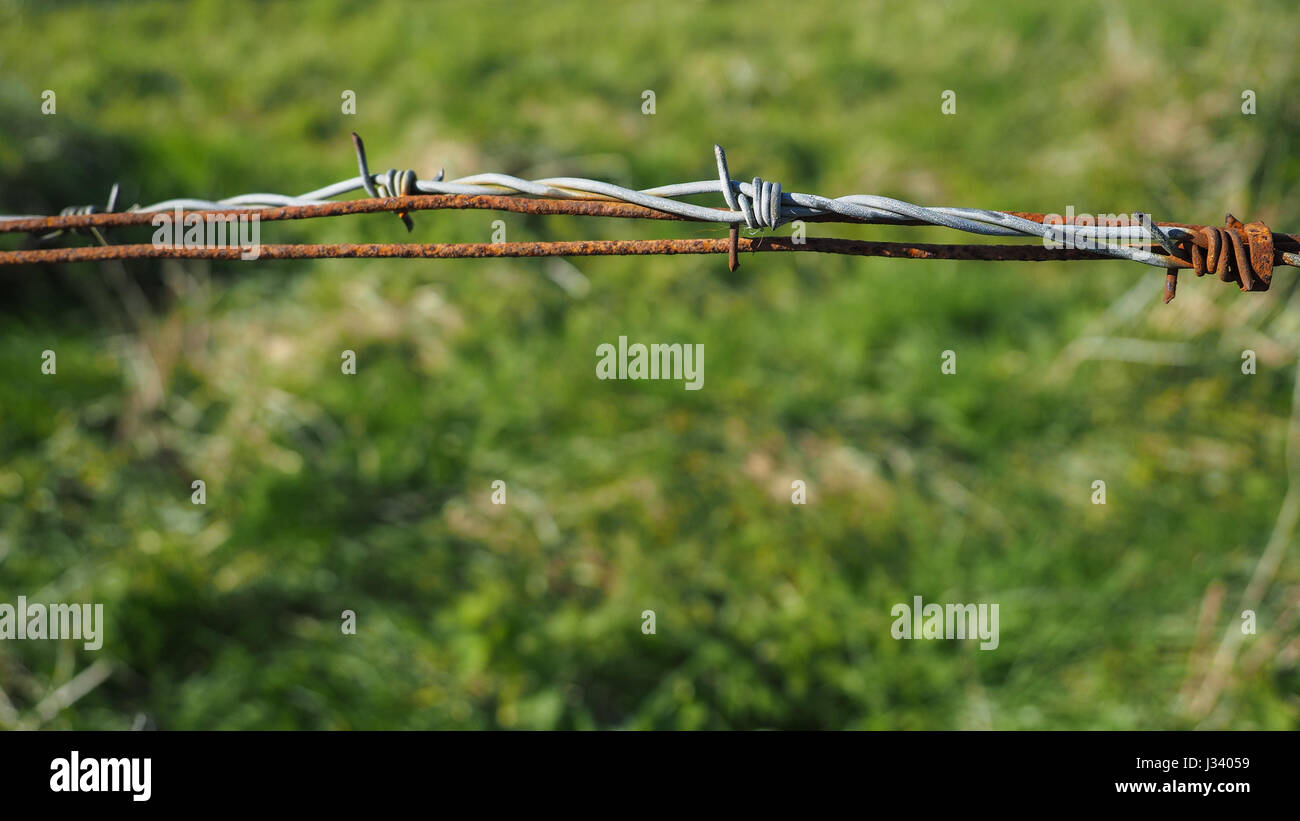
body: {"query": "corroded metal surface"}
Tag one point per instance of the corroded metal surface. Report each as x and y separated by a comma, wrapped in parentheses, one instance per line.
(897, 250)
(1242, 253)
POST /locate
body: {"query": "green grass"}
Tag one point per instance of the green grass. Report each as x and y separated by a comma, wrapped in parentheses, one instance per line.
(371, 492)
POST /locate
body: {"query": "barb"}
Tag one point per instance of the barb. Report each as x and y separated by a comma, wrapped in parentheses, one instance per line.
(395, 184)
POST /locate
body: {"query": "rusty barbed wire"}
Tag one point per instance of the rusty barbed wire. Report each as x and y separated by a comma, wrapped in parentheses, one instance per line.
(1244, 254)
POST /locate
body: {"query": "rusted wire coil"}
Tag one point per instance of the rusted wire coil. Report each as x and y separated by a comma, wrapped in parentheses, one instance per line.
(1240, 253)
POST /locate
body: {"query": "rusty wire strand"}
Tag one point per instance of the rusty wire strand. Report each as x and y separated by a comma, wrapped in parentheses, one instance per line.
(897, 250)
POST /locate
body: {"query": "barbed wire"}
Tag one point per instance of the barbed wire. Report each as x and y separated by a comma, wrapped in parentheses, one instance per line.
(1240, 253)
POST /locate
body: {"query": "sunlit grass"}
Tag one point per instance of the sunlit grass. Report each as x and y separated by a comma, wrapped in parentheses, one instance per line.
(372, 492)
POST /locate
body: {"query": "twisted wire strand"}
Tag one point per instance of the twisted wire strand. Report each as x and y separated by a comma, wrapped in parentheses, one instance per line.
(757, 205)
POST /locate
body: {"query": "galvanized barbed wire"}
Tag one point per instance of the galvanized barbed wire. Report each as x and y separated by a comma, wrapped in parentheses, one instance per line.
(758, 205)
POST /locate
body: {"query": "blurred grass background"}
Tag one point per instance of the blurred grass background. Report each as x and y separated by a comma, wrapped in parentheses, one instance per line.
(371, 492)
